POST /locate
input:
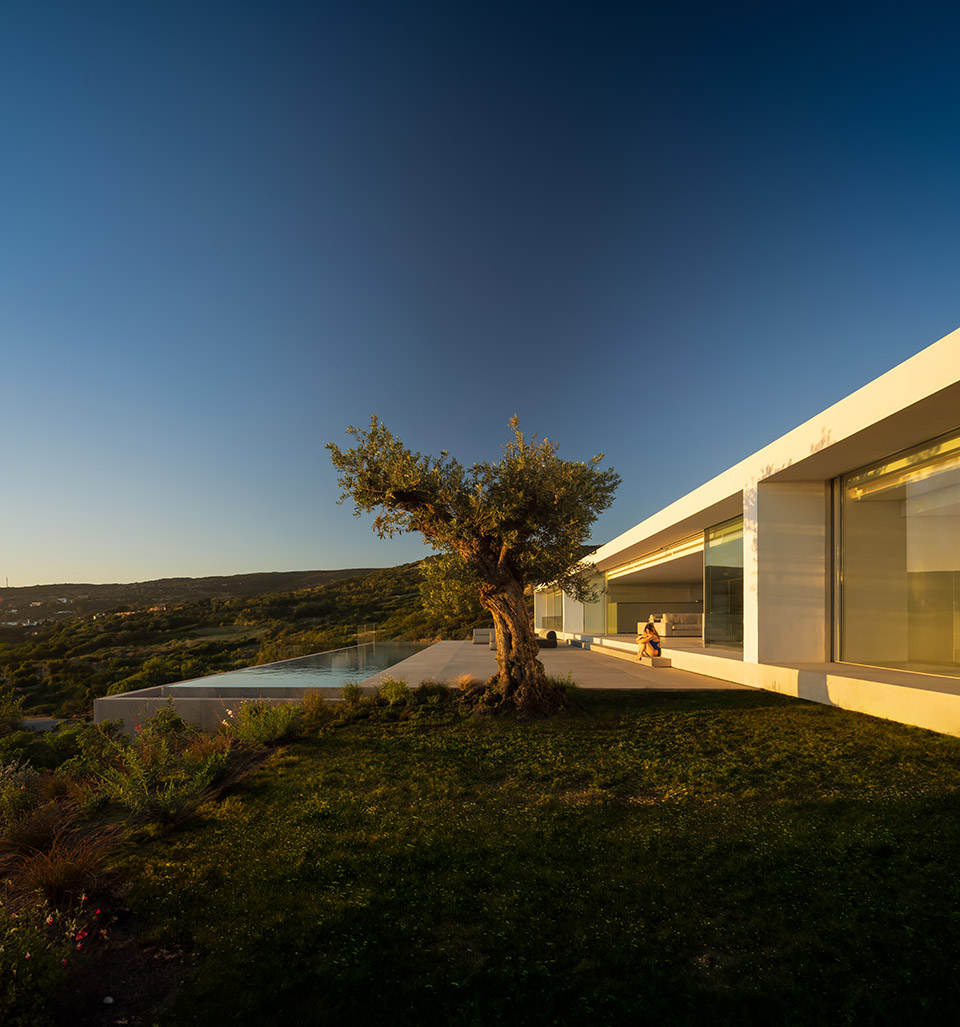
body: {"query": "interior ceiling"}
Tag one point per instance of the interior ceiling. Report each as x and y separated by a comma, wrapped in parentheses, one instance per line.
(685, 570)
(723, 510)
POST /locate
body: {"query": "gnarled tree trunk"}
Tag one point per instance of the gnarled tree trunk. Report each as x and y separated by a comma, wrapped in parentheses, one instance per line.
(521, 681)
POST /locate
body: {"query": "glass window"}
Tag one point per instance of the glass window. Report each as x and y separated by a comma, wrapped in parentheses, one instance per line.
(900, 560)
(723, 584)
(553, 611)
(594, 614)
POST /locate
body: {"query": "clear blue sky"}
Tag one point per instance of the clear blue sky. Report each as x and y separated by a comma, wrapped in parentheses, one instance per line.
(668, 232)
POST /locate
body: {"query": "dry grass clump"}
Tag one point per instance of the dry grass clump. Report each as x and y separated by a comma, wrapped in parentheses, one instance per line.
(466, 682)
(46, 852)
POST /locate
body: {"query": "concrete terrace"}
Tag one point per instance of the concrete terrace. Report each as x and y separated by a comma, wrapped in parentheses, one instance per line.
(445, 661)
(207, 701)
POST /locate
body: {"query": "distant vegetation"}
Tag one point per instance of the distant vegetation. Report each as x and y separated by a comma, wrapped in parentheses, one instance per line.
(151, 633)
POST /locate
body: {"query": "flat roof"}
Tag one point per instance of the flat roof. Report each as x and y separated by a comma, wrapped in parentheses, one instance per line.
(913, 402)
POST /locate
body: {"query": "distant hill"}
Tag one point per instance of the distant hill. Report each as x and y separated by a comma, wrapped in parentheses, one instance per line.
(64, 601)
(84, 641)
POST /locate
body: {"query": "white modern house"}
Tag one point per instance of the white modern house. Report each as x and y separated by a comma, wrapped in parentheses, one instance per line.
(825, 566)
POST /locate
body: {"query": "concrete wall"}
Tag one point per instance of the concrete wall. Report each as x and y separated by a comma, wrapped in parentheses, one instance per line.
(204, 707)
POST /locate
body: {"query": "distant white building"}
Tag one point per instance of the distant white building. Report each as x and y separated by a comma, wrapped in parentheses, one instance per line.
(826, 566)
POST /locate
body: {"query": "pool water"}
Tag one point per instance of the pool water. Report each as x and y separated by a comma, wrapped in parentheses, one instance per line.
(321, 670)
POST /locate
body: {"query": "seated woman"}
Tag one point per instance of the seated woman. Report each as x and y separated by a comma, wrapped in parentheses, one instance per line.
(649, 642)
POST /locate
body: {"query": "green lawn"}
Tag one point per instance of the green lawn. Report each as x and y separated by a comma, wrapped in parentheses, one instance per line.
(664, 858)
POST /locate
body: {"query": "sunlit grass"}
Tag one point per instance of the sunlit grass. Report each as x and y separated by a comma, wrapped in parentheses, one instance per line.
(656, 858)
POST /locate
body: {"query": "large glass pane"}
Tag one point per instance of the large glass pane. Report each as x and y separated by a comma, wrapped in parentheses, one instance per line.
(594, 614)
(723, 584)
(900, 561)
(553, 612)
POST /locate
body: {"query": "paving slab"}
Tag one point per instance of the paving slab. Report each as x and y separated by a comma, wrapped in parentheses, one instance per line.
(446, 661)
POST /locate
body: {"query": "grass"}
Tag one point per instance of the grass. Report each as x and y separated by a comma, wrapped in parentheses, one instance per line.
(728, 857)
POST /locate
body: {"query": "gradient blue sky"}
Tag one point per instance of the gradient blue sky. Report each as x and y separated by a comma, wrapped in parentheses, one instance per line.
(668, 232)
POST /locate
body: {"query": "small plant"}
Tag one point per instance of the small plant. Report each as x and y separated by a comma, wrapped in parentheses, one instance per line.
(262, 723)
(19, 791)
(32, 961)
(37, 943)
(565, 683)
(11, 711)
(393, 691)
(71, 865)
(432, 692)
(166, 721)
(351, 693)
(466, 682)
(315, 713)
(96, 746)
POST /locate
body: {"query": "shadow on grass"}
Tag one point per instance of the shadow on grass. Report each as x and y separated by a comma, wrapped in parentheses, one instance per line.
(728, 857)
(839, 913)
(604, 701)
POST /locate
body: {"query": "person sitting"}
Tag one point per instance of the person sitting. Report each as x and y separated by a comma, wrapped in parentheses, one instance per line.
(649, 642)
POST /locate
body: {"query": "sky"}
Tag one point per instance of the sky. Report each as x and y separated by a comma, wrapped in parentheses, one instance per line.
(665, 232)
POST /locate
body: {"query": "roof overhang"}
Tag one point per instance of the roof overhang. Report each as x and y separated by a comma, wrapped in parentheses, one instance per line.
(916, 401)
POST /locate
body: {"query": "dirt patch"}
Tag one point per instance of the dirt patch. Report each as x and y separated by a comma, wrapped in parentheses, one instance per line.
(140, 981)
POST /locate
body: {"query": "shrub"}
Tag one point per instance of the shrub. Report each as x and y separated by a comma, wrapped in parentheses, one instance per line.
(433, 692)
(126, 685)
(393, 691)
(165, 773)
(262, 723)
(157, 780)
(31, 964)
(18, 792)
(166, 721)
(11, 711)
(95, 747)
(315, 713)
(351, 693)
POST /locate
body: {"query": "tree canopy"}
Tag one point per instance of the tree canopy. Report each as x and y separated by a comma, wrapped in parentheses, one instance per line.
(523, 520)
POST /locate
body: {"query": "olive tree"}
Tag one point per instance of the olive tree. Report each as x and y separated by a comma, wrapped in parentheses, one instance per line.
(521, 521)
(450, 591)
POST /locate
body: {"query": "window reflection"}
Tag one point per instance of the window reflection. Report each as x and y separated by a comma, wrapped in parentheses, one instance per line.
(900, 561)
(723, 584)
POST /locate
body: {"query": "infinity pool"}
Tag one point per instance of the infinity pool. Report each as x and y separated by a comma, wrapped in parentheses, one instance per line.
(321, 670)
